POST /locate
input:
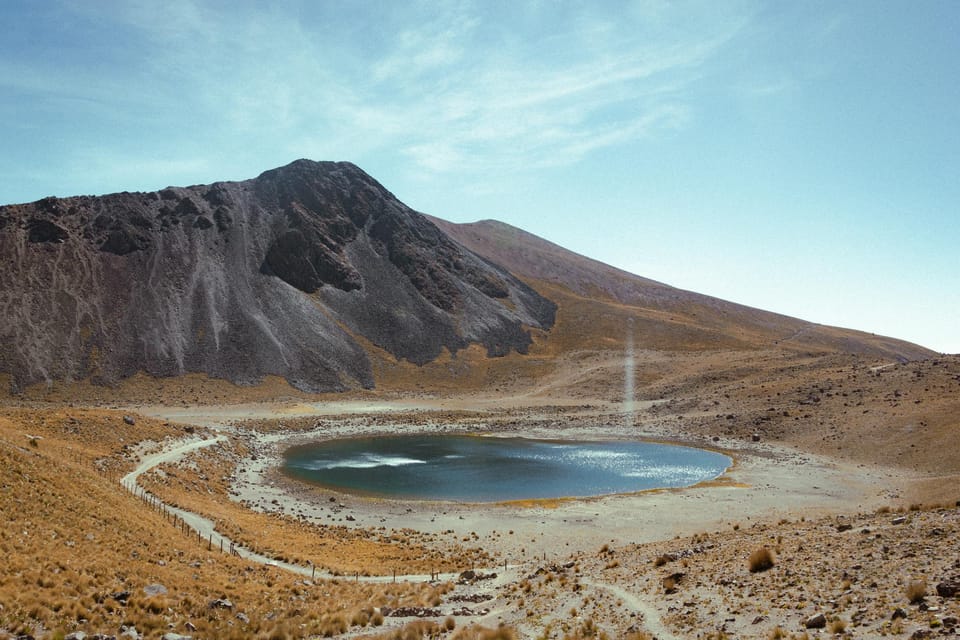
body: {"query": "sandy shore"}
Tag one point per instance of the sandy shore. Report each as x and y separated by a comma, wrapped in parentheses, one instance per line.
(766, 483)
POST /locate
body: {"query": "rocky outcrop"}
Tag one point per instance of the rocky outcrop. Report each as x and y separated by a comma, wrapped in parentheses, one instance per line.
(278, 275)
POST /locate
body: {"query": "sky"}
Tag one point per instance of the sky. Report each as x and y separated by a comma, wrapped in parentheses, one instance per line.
(799, 157)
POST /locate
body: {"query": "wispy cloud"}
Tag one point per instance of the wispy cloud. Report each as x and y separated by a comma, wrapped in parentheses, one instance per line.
(447, 87)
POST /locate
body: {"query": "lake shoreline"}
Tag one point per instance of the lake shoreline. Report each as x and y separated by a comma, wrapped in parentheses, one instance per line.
(766, 482)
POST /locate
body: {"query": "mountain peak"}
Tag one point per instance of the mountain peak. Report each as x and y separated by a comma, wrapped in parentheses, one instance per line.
(278, 275)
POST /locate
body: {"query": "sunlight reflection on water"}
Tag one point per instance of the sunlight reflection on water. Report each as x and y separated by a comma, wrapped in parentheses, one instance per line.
(479, 469)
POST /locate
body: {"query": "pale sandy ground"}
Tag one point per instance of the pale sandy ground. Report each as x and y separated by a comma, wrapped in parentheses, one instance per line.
(767, 482)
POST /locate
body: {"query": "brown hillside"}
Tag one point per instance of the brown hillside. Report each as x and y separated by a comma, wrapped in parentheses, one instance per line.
(667, 317)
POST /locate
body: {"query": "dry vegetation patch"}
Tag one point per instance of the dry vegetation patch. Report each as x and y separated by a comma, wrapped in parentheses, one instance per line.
(200, 483)
(81, 553)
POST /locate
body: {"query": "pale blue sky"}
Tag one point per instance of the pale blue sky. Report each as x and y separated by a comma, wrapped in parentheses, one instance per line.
(801, 157)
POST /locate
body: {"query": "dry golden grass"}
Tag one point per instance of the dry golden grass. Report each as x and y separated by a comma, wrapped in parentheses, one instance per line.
(73, 540)
(143, 389)
(200, 484)
(476, 632)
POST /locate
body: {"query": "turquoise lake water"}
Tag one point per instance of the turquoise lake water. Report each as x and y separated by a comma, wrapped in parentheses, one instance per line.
(485, 469)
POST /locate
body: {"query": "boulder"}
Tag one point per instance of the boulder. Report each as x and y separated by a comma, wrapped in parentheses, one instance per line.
(816, 621)
(949, 588)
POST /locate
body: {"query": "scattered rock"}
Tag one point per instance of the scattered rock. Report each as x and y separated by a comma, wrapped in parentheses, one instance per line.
(898, 614)
(411, 612)
(175, 636)
(221, 603)
(817, 621)
(152, 590)
(755, 437)
(470, 577)
(899, 520)
(76, 635)
(242, 617)
(121, 596)
(844, 527)
(129, 632)
(474, 598)
(949, 588)
(129, 420)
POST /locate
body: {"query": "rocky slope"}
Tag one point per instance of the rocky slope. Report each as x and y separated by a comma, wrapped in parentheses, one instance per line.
(294, 273)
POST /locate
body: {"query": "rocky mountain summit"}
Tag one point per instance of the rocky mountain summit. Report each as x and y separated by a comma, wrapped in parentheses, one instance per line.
(296, 273)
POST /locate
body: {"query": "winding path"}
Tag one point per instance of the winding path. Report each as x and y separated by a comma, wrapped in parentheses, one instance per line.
(651, 617)
(206, 529)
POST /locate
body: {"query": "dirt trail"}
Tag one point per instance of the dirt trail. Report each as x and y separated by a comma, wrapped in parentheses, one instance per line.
(206, 529)
(651, 617)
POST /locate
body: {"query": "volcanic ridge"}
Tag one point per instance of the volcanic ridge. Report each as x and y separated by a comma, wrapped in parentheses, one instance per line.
(283, 275)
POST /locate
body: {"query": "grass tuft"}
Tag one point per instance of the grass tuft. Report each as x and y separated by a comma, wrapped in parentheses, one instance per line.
(760, 560)
(917, 591)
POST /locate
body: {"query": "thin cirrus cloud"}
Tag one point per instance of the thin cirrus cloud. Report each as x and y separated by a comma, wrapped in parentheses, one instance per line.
(448, 88)
(497, 110)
